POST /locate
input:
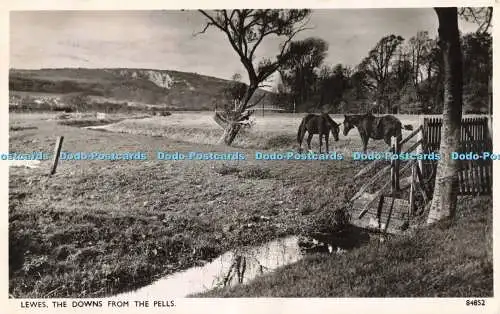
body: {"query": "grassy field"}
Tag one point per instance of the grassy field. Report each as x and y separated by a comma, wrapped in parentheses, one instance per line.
(273, 131)
(101, 227)
(449, 260)
(98, 228)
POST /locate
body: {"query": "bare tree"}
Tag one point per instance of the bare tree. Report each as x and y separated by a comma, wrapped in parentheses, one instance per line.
(419, 48)
(377, 65)
(481, 16)
(245, 30)
(444, 201)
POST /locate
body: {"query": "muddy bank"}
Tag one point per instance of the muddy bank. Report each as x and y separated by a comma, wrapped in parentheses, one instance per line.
(242, 265)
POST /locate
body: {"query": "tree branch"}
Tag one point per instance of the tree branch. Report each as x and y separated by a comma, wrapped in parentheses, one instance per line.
(275, 65)
(480, 16)
(212, 22)
(257, 102)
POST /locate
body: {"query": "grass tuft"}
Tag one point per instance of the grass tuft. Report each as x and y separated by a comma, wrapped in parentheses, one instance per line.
(436, 261)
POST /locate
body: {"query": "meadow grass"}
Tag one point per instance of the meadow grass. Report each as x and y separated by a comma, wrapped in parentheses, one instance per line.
(98, 228)
(447, 260)
(271, 131)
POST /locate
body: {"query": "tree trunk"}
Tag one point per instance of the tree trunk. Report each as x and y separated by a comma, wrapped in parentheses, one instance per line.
(233, 128)
(230, 133)
(444, 201)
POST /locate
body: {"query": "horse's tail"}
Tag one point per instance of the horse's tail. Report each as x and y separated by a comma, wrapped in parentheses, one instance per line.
(302, 131)
(408, 127)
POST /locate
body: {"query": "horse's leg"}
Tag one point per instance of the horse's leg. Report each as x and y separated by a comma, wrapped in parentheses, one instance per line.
(364, 138)
(300, 138)
(327, 137)
(309, 139)
(387, 140)
(320, 141)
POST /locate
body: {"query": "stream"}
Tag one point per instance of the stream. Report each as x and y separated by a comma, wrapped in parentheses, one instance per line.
(231, 268)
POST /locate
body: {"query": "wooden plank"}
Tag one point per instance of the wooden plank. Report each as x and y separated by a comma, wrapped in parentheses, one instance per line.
(466, 139)
(57, 153)
(461, 175)
(422, 191)
(413, 147)
(379, 210)
(477, 149)
(438, 141)
(411, 135)
(427, 194)
(367, 205)
(484, 131)
(475, 177)
(412, 191)
(370, 182)
(381, 191)
(378, 221)
(480, 147)
(391, 207)
(394, 213)
(419, 148)
(368, 168)
(395, 164)
(423, 146)
(471, 137)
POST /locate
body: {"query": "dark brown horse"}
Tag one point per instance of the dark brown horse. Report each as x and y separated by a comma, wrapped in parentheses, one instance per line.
(376, 128)
(317, 124)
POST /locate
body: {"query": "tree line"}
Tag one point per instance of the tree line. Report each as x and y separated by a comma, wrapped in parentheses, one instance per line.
(453, 64)
(396, 76)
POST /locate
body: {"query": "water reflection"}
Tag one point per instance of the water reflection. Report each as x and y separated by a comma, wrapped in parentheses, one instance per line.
(234, 267)
(245, 264)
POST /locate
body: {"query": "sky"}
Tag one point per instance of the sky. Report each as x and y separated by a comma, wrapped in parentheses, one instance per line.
(166, 39)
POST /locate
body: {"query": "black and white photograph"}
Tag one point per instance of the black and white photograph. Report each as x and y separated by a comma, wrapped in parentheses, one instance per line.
(250, 153)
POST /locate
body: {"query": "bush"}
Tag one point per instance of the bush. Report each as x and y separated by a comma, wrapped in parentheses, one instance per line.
(329, 221)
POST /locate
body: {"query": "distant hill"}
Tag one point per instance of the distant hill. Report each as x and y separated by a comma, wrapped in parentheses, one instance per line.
(173, 90)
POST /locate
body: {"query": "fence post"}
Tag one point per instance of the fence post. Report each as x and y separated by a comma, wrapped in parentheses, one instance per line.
(412, 190)
(395, 163)
(394, 166)
(57, 152)
(419, 150)
(424, 146)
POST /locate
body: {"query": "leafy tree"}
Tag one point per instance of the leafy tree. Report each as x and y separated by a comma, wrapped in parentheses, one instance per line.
(245, 30)
(377, 66)
(333, 84)
(299, 72)
(477, 60)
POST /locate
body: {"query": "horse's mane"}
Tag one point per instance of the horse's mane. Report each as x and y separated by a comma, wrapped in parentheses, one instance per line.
(330, 120)
(356, 118)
